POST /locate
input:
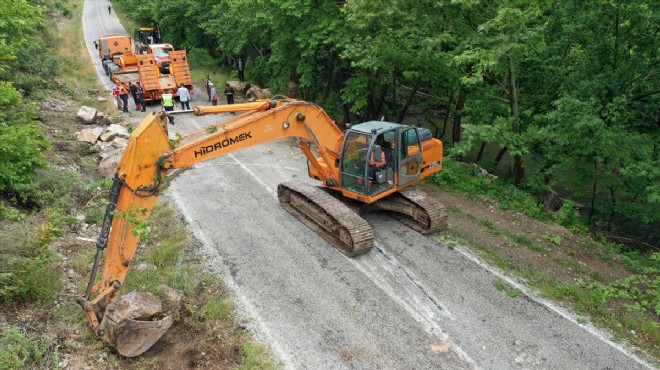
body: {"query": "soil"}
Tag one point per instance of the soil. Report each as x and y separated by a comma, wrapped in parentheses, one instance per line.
(480, 223)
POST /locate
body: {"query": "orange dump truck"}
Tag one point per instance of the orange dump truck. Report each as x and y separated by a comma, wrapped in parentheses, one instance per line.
(124, 66)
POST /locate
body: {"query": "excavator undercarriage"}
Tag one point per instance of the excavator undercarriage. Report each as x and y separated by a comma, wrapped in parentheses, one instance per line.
(337, 219)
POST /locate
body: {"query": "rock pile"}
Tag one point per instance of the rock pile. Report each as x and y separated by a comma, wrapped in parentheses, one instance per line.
(110, 139)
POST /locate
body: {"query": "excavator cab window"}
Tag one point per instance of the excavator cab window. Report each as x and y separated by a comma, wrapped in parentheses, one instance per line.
(355, 163)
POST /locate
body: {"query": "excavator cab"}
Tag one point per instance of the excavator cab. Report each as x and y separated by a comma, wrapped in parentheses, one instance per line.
(365, 141)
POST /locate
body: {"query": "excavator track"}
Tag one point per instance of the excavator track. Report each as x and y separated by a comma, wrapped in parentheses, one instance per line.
(327, 216)
(415, 209)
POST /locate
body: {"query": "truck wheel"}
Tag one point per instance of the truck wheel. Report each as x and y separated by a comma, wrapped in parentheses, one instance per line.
(104, 63)
(112, 68)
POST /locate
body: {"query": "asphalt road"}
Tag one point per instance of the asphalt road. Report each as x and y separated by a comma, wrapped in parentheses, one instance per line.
(410, 303)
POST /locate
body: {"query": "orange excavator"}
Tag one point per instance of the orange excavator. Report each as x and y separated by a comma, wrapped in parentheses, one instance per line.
(369, 167)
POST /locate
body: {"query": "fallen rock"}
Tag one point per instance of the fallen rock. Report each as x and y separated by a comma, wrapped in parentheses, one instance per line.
(172, 297)
(110, 151)
(551, 201)
(102, 119)
(107, 136)
(120, 130)
(292, 90)
(108, 164)
(138, 305)
(87, 115)
(89, 135)
(257, 93)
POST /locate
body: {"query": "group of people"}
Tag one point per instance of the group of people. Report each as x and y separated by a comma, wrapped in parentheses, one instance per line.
(121, 91)
(213, 93)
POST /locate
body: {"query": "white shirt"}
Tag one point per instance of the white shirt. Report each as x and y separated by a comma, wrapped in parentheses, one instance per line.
(184, 94)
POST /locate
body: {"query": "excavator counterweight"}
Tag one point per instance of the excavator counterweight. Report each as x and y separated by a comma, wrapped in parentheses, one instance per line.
(370, 167)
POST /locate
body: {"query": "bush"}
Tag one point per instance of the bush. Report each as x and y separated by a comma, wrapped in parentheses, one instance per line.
(28, 269)
(202, 58)
(22, 144)
(20, 352)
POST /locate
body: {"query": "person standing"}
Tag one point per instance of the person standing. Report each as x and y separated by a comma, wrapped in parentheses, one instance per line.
(229, 93)
(109, 9)
(184, 97)
(167, 102)
(133, 88)
(213, 94)
(240, 66)
(140, 95)
(115, 92)
(123, 95)
(207, 84)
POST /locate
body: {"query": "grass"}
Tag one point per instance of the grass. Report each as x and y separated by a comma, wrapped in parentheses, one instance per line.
(502, 286)
(207, 308)
(18, 351)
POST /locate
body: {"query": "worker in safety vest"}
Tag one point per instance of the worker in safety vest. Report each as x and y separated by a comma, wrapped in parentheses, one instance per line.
(167, 102)
(123, 95)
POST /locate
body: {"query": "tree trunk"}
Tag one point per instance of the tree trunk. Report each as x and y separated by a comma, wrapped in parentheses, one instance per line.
(347, 113)
(381, 101)
(613, 205)
(404, 109)
(331, 75)
(500, 154)
(593, 193)
(481, 151)
(518, 170)
(447, 113)
(456, 130)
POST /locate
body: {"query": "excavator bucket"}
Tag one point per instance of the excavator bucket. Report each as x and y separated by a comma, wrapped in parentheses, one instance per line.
(129, 325)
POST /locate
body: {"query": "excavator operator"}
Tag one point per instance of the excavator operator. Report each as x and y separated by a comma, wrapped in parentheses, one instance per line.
(376, 162)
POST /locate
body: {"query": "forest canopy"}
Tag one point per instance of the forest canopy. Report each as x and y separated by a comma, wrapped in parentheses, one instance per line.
(566, 93)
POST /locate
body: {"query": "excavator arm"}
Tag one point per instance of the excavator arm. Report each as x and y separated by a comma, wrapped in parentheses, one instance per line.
(139, 178)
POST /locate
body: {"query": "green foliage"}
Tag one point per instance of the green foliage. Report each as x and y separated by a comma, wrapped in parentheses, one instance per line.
(22, 143)
(218, 309)
(640, 291)
(502, 286)
(552, 238)
(138, 222)
(201, 57)
(255, 356)
(464, 178)
(17, 351)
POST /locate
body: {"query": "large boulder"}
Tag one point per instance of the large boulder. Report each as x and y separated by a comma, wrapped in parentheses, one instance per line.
(89, 135)
(87, 115)
(109, 163)
(551, 201)
(257, 93)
